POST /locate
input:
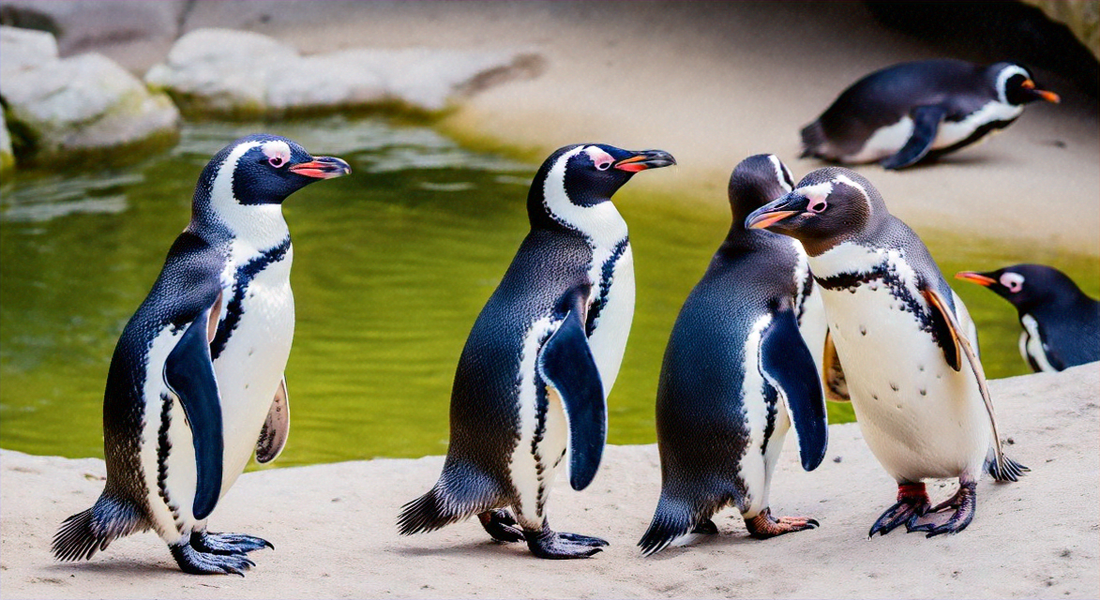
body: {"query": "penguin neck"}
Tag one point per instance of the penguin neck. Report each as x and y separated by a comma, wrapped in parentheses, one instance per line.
(550, 207)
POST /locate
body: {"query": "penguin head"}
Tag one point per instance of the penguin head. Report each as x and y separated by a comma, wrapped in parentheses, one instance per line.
(1025, 286)
(829, 206)
(1015, 86)
(755, 181)
(584, 176)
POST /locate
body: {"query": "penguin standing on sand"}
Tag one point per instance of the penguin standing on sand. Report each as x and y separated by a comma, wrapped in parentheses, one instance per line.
(1061, 324)
(531, 385)
(196, 381)
(903, 114)
(737, 373)
(900, 333)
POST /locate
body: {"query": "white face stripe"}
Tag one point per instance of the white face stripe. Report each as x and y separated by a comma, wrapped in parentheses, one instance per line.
(1003, 77)
(260, 225)
(1013, 281)
(866, 197)
(782, 174)
(600, 223)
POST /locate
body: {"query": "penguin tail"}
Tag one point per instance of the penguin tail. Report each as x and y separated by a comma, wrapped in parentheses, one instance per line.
(1005, 469)
(813, 138)
(85, 533)
(452, 499)
(672, 520)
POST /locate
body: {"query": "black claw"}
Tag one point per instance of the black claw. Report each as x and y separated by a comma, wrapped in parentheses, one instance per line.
(552, 545)
(196, 562)
(813, 523)
(501, 525)
(228, 543)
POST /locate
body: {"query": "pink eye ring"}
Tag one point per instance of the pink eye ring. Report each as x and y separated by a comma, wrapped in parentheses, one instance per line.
(817, 206)
(276, 161)
(603, 166)
(1013, 281)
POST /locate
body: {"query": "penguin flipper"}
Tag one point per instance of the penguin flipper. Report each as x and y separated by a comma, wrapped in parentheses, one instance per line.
(276, 427)
(926, 122)
(1000, 466)
(787, 364)
(832, 373)
(189, 373)
(566, 362)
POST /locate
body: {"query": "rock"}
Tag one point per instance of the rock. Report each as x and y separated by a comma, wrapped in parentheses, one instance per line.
(219, 72)
(25, 49)
(84, 25)
(1082, 17)
(7, 157)
(59, 107)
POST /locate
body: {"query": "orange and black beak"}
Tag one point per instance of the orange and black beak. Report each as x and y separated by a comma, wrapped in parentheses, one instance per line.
(322, 167)
(646, 159)
(979, 278)
(1051, 97)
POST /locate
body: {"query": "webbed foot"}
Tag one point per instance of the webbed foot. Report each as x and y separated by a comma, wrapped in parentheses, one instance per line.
(197, 562)
(764, 525)
(551, 544)
(227, 543)
(912, 503)
(939, 519)
(501, 525)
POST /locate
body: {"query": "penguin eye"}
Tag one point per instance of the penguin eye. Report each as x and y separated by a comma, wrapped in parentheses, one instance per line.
(817, 205)
(276, 161)
(603, 165)
(1013, 281)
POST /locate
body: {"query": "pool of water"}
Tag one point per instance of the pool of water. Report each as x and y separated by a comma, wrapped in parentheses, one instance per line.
(391, 268)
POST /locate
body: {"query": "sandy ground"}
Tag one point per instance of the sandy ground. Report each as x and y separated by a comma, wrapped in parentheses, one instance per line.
(333, 528)
(711, 83)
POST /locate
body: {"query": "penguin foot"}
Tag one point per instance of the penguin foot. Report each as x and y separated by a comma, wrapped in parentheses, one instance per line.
(554, 545)
(227, 543)
(912, 503)
(501, 525)
(939, 520)
(196, 562)
(764, 525)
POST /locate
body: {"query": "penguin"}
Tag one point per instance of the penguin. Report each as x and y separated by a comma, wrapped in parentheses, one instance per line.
(906, 113)
(736, 375)
(1061, 324)
(531, 384)
(196, 381)
(901, 335)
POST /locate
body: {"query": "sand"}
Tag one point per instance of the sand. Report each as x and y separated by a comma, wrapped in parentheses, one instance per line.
(711, 83)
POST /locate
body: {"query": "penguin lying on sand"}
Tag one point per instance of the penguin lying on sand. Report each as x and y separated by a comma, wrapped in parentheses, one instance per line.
(196, 381)
(903, 114)
(901, 335)
(737, 373)
(531, 385)
(1061, 324)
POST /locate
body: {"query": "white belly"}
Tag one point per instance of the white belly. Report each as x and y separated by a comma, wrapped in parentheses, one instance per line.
(608, 341)
(920, 418)
(886, 141)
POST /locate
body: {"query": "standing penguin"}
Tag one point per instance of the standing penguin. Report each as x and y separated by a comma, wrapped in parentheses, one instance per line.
(905, 113)
(196, 381)
(533, 378)
(1061, 324)
(901, 334)
(737, 373)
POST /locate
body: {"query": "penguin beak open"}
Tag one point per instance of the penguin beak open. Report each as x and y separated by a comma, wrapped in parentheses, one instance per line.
(775, 212)
(646, 159)
(322, 167)
(1051, 97)
(978, 278)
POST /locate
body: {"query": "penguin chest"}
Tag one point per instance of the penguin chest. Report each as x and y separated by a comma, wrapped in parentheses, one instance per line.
(920, 417)
(250, 365)
(611, 309)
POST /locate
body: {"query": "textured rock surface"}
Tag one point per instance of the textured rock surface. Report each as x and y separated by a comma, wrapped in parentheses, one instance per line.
(1081, 16)
(223, 72)
(78, 104)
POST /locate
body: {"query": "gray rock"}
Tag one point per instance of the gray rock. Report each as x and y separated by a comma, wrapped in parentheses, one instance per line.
(81, 25)
(83, 103)
(223, 72)
(22, 49)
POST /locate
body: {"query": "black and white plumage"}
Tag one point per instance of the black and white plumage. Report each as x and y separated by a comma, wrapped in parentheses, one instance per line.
(1061, 324)
(906, 113)
(904, 341)
(531, 385)
(196, 382)
(737, 374)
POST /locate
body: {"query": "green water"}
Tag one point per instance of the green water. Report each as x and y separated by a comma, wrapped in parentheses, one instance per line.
(391, 268)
